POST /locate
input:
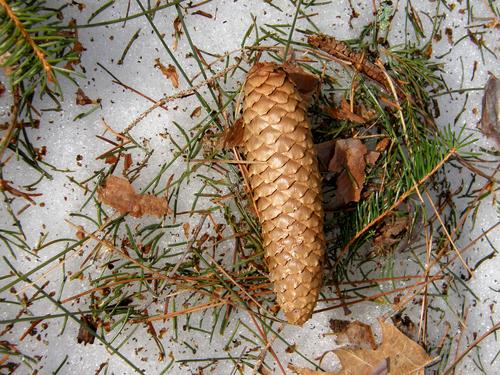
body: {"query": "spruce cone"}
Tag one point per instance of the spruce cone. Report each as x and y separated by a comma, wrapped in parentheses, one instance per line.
(286, 186)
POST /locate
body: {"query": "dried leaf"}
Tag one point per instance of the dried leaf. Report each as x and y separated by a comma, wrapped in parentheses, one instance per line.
(371, 157)
(390, 234)
(344, 113)
(233, 136)
(396, 352)
(87, 331)
(196, 112)
(127, 163)
(382, 144)
(82, 98)
(2, 89)
(324, 151)
(306, 83)
(169, 72)
(490, 117)
(405, 325)
(349, 160)
(354, 335)
(119, 194)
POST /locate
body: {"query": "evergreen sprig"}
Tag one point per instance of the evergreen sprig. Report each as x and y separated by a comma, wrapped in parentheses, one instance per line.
(32, 45)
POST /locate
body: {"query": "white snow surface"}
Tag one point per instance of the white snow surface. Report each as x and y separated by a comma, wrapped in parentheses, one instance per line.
(66, 138)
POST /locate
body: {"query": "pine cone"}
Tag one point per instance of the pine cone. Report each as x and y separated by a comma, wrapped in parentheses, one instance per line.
(286, 186)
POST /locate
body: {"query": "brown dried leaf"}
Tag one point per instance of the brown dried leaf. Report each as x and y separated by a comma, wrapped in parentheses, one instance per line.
(490, 117)
(307, 83)
(177, 32)
(371, 157)
(382, 144)
(87, 327)
(169, 72)
(390, 234)
(2, 89)
(354, 335)
(324, 151)
(344, 113)
(118, 193)
(82, 98)
(397, 352)
(232, 136)
(127, 163)
(349, 160)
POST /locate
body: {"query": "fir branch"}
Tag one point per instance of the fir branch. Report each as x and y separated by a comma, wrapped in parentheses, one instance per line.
(25, 34)
(31, 44)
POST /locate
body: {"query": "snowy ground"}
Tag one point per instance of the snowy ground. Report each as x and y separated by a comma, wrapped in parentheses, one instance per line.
(73, 145)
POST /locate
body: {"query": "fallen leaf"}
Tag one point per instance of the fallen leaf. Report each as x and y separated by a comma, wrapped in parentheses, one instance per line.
(127, 163)
(87, 331)
(405, 325)
(349, 161)
(390, 234)
(371, 157)
(82, 98)
(396, 355)
(382, 144)
(354, 335)
(232, 136)
(196, 112)
(169, 72)
(306, 83)
(324, 151)
(2, 88)
(344, 113)
(490, 117)
(118, 193)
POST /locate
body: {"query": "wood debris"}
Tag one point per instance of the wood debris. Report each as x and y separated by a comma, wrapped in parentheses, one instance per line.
(169, 72)
(118, 193)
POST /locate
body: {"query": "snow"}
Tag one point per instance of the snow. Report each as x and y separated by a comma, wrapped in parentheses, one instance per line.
(66, 139)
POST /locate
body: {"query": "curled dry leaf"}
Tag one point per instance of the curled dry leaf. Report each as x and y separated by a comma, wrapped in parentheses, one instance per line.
(396, 355)
(169, 72)
(82, 98)
(232, 136)
(306, 83)
(196, 112)
(354, 335)
(343, 112)
(87, 331)
(349, 161)
(324, 150)
(490, 117)
(118, 193)
(390, 234)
